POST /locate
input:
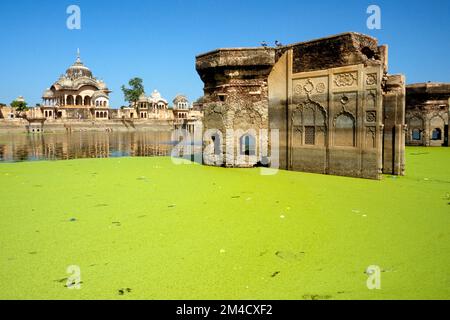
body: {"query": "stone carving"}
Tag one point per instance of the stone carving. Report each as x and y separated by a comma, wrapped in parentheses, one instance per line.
(298, 90)
(371, 79)
(345, 79)
(309, 86)
(371, 99)
(371, 116)
(371, 137)
(344, 99)
(320, 88)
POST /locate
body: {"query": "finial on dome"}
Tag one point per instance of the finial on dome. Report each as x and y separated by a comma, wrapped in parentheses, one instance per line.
(78, 55)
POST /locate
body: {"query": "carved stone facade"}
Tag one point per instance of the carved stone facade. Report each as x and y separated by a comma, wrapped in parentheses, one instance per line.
(427, 114)
(327, 99)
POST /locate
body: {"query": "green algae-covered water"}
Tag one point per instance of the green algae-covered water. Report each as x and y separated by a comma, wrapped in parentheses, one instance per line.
(144, 228)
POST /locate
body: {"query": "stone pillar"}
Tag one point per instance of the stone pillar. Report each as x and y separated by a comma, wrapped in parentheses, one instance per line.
(394, 125)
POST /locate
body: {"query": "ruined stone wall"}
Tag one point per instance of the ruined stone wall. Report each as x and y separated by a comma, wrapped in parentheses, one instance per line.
(329, 105)
(427, 112)
(235, 104)
(327, 100)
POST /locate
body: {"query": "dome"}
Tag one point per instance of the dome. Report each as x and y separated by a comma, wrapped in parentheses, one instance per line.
(156, 97)
(48, 94)
(78, 69)
(64, 81)
(180, 98)
(101, 85)
(99, 94)
(143, 98)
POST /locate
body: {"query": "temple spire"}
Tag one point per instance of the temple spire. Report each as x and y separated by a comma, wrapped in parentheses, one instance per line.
(78, 55)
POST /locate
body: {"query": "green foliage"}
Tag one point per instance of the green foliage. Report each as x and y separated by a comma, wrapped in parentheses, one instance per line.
(19, 105)
(133, 93)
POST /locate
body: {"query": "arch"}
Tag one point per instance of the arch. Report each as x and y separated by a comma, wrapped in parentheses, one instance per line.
(216, 139)
(247, 145)
(371, 101)
(87, 101)
(344, 135)
(437, 122)
(415, 122)
(70, 101)
(436, 134)
(79, 101)
(309, 124)
(416, 134)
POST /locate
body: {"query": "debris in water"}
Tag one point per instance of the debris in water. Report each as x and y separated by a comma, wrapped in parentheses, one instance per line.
(275, 274)
(123, 291)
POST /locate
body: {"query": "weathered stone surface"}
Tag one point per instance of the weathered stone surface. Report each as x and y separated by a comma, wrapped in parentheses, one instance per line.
(427, 114)
(337, 51)
(394, 125)
(324, 98)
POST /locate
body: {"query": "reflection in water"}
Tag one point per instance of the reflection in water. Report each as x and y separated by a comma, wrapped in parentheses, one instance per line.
(64, 146)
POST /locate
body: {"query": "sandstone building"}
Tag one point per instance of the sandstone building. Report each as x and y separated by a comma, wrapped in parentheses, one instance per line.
(152, 107)
(76, 95)
(427, 114)
(336, 108)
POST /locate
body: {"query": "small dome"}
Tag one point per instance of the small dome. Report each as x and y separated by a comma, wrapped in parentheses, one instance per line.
(48, 94)
(101, 85)
(156, 97)
(143, 98)
(180, 98)
(20, 99)
(98, 94)
(78, 69)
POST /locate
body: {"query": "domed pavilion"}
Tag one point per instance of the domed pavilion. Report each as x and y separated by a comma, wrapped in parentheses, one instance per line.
(76, 94)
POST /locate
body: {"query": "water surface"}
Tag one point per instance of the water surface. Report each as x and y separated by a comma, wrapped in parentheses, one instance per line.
(76, 145)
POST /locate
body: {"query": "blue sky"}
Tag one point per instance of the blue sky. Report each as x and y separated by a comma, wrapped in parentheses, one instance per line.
(158, 40)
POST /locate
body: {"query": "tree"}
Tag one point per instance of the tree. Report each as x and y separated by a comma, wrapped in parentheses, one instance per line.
(19, 105)
(133, 93)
